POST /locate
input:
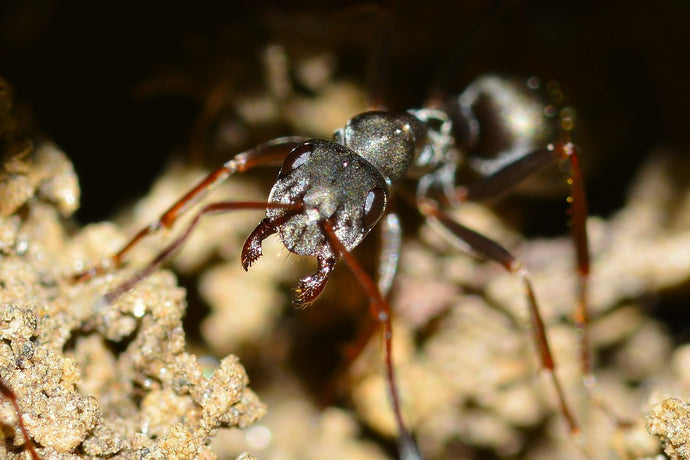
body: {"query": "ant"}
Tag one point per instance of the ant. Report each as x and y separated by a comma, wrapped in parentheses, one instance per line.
(330, 194)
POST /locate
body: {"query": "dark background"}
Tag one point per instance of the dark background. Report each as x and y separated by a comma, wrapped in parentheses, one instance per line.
(77, 67)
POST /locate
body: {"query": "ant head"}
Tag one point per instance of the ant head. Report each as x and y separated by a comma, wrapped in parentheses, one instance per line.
(388, 141)
(332, 183)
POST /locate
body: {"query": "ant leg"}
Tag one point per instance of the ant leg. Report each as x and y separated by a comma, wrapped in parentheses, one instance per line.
(578, 210)
(506, 179)
(381, 311)
(9, 394)
(266, 154)
(389, 257)
(213, 208)
(490, 250)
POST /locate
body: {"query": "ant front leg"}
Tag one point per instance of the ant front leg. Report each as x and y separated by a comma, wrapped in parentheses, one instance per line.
(381, 312)
(8, 394)
(266, 154)
(389, 258)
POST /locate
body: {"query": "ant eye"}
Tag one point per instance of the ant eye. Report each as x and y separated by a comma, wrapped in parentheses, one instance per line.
(295, 159)
(374, 205)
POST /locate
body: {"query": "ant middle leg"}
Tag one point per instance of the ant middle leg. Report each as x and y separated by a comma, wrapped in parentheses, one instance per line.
(381, 312)
(390, 231)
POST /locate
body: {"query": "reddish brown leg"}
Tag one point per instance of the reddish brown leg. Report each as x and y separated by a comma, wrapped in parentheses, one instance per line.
(266, 154)
(492, 251)
(213, 208)
(578, 204)
(505, 180)
(9, 395)
(389, 257)
(381, 312)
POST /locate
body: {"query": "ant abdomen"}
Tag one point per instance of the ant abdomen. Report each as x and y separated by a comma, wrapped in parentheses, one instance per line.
(496, 120)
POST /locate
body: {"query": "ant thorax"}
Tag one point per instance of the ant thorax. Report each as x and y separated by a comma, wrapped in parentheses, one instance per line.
(416, 144)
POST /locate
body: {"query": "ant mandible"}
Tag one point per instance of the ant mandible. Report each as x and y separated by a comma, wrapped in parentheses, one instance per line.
(329, 194)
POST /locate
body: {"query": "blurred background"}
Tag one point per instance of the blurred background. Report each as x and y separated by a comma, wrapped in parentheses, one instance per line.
(125, 88)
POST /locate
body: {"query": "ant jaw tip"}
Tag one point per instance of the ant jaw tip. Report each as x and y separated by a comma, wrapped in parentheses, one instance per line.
(248, 260)
(250, 254)
(300, 297)
(301, 303)
(304, 295)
